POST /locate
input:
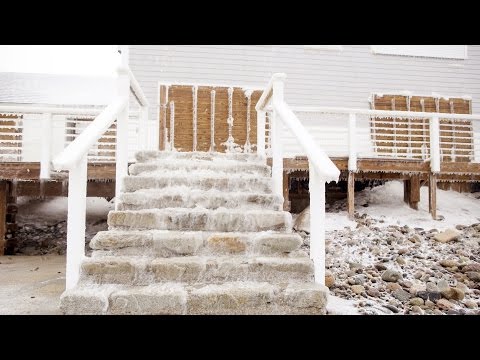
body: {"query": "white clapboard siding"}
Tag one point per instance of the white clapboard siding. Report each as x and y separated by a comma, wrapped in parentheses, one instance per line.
(321, 77)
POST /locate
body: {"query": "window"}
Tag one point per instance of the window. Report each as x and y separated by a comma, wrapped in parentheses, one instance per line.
(324, 47)
(435, 51)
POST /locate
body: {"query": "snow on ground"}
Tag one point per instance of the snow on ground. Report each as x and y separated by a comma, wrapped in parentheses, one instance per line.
(385, 203)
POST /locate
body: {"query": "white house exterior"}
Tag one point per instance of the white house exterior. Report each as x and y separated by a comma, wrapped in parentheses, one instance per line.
(318, 75)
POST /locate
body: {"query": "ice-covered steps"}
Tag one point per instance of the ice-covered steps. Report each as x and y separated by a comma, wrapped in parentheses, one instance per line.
(224, 167)
(222, 183)
(195, 269)
(199, 219)
(150, 155)
(185, 197)
(162, 243)
(230, 298)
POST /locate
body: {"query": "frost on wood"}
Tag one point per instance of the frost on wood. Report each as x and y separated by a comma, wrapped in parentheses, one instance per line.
(212, 120)
(195, 98)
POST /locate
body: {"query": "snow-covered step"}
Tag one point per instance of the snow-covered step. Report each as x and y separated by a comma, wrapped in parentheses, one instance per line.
(195, 269)
(226, 167)
(185, 197)
(230, 298)
(149, 155)
(199, 219)
(222, 183)
(163, 243)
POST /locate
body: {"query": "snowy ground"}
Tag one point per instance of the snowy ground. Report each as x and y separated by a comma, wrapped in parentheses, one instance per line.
(388, 235)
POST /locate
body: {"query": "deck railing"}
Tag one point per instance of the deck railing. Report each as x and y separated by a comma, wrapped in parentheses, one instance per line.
(322, 169)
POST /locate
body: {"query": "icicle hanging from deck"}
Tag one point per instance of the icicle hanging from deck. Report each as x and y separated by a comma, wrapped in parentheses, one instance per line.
(212, 120)
(172, 126)
(194, 94)
(394, 150)
(230, 144)
(424, 132)
(454, 139)
(248, 147)
(409, 152)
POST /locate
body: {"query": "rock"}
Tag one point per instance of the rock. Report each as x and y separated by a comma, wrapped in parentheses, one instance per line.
(355, 266)
(429, 304)
(473, 275)
(392, 308)
(329, 279)
(471, 267)
(416, 287)
(463, 287)
(351, 242)
(429, 295)
(393, 286)
(380, 267)
(401, 261)
(358, 279)
(453, 293)
(470, 304)
(402, 251)
(445, 304)
(418, 274)
(432, 287)
(401, 295)
(358, 289)
(302, 223)
(437, 312)
(448, 263)
(391, 276)
(417, 310)
(416, 301)
(373, 292)
(460, 227)
(415, 239)
(447, 235)
(442, 285)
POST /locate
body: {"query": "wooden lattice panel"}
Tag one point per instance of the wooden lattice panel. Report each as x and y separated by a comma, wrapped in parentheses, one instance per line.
(412, 136)
(182, 97)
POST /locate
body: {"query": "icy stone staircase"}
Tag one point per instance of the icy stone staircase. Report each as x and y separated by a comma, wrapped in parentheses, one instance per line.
(197, 233)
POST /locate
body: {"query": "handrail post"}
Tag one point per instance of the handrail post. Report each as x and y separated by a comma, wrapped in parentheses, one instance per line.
(46, 146)
(275, 128)
(316, 187)
(77, 198)
(352, 146)
(121, 149)
(434, 144)
(261, 116)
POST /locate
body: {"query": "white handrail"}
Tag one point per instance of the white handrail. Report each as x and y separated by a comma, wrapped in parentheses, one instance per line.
(75, 151)
(325, 168)
(385, 113)
(321, 168)
(136, 89)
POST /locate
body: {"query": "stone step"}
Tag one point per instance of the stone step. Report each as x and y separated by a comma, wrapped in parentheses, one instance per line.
(231, 298)
(163, 243)
(221, 183)
(198, 219)
(184, 197)
(199, 166)
(195, 269)
(151, 155)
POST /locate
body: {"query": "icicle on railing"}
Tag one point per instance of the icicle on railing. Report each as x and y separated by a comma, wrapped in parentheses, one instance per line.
(424, 132)
(248, 95)
(230, 144)
(194, 94)
(212, 120)
(172, 126)
(409, 151)
(394, 150)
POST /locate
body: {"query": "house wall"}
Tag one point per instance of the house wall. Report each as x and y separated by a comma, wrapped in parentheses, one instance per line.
(315, 76)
